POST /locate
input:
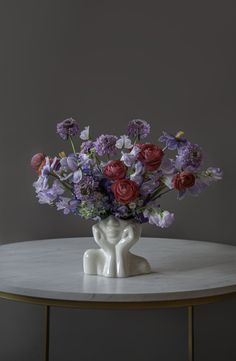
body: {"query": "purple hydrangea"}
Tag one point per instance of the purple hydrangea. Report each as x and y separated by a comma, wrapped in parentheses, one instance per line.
(173, 142)
(106, 145)
(138, 128)
(67, 128)
(86, 189)
(189, 157)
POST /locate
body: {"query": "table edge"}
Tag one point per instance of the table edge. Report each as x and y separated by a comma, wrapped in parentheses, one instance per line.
(117, 305)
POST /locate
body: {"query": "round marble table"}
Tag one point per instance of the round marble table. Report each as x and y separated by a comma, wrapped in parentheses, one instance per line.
(184, 273)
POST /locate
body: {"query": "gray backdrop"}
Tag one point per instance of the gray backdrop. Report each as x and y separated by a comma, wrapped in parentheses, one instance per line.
(104, 63)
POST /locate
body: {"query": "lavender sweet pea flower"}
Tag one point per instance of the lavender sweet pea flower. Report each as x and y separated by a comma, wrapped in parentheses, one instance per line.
(151, 184)
(50, 166)
(123, 142)
(159, 218)
(41, 184)
(213, 174)
(106, 145)
(130, 158)
(67, 128)
(71, 167)
(138, 128)
(49, 195)
(173, 142)
(189, 157)
(67, 205)
(137, 175)
(84, 135)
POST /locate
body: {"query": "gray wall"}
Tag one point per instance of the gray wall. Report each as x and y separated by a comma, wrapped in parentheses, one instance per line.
(105, 62)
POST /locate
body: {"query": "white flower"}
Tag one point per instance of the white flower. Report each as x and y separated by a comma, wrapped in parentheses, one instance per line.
(123, 142)
(84, 135)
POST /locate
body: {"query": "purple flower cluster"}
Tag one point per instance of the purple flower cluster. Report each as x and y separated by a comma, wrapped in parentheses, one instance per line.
(120, 176)
(138, 128)
(106, 145)
(68, 128)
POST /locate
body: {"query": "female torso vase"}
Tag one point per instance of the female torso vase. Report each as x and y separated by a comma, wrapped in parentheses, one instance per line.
(115, 237)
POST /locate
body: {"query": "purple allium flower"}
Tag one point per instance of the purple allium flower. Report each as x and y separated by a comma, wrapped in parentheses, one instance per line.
(106, 145)
(161, 219)
(67, 128)
(87, 146)
(67, 205)
(138, 128)
(49, 195)
(190, 157)
(130, 158)
(173, 142)
(86, 189)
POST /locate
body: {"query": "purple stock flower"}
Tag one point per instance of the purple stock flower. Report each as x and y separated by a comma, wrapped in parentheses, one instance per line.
(106, 145)
(67, 128)
(138, 128)
(86, 189)
(190, 157)
(173, 142)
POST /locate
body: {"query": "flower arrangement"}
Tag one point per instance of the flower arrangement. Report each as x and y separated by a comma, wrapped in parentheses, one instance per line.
(120, 176)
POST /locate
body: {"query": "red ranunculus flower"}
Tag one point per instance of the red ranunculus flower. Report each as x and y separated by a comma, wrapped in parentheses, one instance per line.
(38, 161)
(115, 169)
(150, 155)
(183, 180)
(125, 190)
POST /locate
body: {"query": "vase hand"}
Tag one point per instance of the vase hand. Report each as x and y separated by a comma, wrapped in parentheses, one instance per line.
(101, 239)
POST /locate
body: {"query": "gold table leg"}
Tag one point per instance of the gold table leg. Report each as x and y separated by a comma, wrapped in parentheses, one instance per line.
(190, 334)
(46, 332)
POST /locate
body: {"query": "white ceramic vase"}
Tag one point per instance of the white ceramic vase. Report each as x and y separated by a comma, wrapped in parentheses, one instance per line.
(115, 237)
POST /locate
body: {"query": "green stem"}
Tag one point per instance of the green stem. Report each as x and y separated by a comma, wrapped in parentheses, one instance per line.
(72, 144)
(66, 185)
(161, 194)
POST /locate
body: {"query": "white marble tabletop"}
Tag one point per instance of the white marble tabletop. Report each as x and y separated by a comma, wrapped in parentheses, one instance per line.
(182, 270)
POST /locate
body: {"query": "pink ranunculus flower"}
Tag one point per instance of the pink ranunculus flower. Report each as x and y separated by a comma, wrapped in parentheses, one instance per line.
(151, 156)
(115, 169)
(125, 191)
